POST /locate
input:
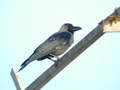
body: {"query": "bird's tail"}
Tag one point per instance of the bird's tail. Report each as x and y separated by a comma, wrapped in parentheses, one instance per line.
(24, 64)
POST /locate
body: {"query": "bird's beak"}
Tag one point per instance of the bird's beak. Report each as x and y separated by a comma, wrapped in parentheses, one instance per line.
(76, 28)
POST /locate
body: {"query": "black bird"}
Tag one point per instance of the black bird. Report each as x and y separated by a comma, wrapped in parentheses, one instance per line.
(54, 46)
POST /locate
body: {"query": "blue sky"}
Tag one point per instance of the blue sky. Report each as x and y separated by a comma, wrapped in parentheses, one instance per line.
(24, 24)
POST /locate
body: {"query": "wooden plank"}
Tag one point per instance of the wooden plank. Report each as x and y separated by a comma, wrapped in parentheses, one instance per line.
(69, 56)
(16, 80)
(66, 59)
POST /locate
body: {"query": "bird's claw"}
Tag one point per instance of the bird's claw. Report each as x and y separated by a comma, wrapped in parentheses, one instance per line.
(56, 63)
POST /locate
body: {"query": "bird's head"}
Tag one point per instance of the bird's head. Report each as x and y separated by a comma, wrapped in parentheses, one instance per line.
(67, 27)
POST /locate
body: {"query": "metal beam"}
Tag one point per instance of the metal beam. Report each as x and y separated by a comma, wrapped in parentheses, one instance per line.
(72, 54)
(66, 59)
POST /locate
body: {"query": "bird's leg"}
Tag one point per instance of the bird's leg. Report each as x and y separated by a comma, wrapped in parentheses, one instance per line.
(56, 61)
(50, 57)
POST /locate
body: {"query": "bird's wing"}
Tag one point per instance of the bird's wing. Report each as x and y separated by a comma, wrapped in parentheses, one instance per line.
(56, 40)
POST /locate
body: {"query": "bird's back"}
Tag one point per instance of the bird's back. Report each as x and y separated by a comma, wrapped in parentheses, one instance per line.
(57, 44)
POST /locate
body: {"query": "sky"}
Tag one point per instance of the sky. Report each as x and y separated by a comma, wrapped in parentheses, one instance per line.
(25, 24)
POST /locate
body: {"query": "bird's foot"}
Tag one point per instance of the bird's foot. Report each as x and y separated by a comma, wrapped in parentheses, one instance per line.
(52, 59)
(56, 63)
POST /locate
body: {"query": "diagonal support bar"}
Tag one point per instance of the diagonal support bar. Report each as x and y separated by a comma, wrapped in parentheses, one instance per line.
(66, 59)
(71, 55)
